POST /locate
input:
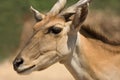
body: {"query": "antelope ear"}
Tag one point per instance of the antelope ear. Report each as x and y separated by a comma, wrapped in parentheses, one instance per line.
(37, 15)
(80, 16)
(68, 16)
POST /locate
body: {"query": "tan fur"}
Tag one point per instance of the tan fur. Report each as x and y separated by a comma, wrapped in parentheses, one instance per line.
(103, 58)
(48, 19)
(86, 55)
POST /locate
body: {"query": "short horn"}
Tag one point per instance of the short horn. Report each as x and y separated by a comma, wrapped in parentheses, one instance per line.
(38, 16)
(73, 8)
(58, 7)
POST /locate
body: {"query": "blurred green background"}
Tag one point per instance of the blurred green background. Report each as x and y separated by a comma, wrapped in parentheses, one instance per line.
(12, 13)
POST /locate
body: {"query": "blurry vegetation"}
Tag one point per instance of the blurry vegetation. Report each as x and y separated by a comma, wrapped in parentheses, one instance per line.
(96, 4)
(13, 11)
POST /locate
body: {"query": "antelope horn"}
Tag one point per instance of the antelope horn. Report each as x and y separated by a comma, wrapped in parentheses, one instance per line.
(73, 8)
(38, 16)
(58, 7)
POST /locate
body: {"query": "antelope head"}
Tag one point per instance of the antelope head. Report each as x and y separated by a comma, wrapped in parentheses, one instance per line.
(54, 37)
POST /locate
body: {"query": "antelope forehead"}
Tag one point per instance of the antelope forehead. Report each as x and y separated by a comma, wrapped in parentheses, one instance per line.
(54, 21)
(40, 24)
(49, 21)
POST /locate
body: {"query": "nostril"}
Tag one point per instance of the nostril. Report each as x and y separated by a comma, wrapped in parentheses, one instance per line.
(17, 62)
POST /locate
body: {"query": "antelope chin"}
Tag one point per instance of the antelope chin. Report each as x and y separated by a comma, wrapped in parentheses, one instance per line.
(25, 70)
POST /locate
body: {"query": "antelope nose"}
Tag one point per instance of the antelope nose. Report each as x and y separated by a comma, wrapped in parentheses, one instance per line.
(17, 62)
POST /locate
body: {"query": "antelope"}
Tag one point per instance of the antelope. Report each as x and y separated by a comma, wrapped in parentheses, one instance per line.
(88, 52)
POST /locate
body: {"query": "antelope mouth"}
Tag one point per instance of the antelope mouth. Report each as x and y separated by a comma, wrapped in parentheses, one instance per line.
(25, 70)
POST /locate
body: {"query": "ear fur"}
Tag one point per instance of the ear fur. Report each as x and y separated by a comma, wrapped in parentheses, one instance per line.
(80, 16)
(68, 16)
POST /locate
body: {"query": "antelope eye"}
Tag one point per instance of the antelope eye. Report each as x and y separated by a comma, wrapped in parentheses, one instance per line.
(55, 30)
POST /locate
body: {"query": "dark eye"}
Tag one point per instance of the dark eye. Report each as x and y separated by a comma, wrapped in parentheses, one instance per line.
(55, 30)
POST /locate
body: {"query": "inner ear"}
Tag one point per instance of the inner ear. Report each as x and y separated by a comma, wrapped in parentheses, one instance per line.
(68, 16)
(80, 16)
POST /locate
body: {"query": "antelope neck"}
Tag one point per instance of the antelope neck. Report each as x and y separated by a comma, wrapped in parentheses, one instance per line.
(77, 65)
